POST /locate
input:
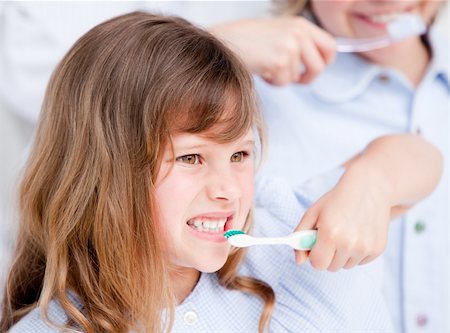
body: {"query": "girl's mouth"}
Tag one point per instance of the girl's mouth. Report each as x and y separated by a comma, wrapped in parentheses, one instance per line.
(211, 225)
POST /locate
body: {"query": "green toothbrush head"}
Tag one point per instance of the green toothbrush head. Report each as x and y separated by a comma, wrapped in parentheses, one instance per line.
(307, 241)
(232, 232)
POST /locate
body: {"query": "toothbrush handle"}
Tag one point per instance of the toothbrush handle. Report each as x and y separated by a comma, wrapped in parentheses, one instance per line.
(361, 45)
(271, 240)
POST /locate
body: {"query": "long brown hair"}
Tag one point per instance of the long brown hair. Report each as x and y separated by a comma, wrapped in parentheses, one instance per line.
(86, 198)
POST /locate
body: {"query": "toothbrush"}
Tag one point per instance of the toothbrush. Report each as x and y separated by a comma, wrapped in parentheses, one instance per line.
(407, 25)
(302, 240)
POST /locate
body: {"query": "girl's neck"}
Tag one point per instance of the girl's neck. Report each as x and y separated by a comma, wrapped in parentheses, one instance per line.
(410, 57)
(184, 281)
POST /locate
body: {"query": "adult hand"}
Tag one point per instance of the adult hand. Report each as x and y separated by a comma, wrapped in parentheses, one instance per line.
(281, 50)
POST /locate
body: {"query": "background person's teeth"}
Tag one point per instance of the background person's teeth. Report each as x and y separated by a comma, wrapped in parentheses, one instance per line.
(197, 223)
(384, 18)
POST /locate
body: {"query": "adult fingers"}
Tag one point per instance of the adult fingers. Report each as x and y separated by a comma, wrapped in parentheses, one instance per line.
(301, 256)
(312, 61)
(325, 43)
(339, 260)
(284, 66)
(322, 253)
(352, 262)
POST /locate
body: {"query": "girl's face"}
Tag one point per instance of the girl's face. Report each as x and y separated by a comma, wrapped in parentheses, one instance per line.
(367, 18)
(208, 190)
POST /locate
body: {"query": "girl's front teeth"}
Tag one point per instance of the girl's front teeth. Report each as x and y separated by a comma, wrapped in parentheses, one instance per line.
(208, 225)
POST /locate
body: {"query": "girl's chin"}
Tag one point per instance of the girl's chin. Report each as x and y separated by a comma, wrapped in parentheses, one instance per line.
(212, 265)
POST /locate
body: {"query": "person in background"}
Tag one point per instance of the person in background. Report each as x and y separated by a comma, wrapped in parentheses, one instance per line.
(350, 99)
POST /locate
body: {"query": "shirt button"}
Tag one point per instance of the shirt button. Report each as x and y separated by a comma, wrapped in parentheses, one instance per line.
(384, 78)
(419, 227)
(190, 318)
(421, 320)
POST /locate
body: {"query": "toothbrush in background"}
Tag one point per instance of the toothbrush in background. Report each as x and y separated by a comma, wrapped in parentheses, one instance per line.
(302, 240)
(405, 26)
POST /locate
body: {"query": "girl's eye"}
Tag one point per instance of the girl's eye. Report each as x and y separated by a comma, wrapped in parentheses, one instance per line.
(189, 159)
(238, 157)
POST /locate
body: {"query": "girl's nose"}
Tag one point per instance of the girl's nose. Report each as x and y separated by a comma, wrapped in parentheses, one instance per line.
(224, 185)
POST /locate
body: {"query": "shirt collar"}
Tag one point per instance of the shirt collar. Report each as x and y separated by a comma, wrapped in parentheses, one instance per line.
(345, 79)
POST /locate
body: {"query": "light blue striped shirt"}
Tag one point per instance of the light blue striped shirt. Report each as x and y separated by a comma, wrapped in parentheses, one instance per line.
(316, 127)
(307, 300)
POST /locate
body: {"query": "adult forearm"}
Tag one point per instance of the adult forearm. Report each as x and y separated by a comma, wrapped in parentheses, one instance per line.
(405, 166)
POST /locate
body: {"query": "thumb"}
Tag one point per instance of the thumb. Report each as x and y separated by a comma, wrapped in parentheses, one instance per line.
(309, 219)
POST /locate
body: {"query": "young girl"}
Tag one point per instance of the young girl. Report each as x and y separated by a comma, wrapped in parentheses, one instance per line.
(104, 173)
(143, 157)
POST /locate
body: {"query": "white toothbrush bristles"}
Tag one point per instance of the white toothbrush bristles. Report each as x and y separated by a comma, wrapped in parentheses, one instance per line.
(405, 26)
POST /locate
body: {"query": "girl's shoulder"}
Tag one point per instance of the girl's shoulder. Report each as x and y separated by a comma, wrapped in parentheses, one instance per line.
(35, 322)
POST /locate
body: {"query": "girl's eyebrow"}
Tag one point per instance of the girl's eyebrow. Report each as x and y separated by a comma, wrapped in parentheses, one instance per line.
(249, 142)
(193, 146)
